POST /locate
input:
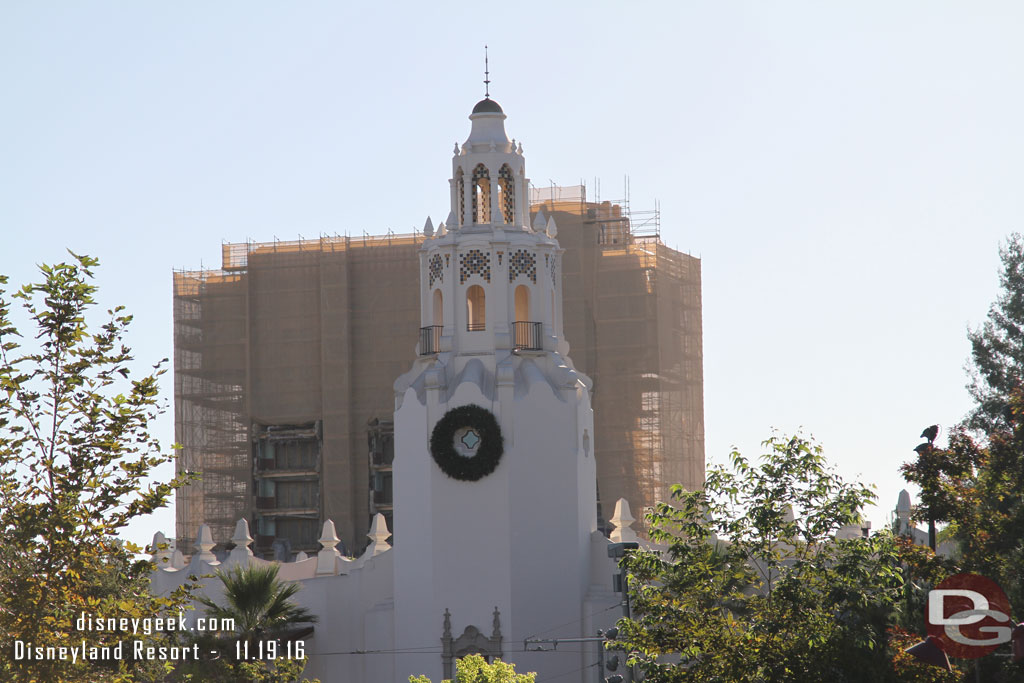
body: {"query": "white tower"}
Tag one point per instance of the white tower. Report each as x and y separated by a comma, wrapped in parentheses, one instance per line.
(495, 502)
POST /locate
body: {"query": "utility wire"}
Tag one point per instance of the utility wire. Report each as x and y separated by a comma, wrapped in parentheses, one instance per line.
(617, 605)
(426, 649)
(567, 673)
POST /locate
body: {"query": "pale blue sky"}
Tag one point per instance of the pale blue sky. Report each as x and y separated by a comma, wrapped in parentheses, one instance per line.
(846, 172)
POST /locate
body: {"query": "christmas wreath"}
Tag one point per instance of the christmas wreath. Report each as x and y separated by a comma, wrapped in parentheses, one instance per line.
(488, 452)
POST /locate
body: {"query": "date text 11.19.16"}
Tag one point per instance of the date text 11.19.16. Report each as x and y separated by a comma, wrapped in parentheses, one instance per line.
(270, 649)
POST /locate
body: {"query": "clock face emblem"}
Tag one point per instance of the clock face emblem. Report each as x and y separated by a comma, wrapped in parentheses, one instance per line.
(466, 443)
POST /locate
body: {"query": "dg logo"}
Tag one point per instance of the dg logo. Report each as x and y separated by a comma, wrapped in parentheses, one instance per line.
(970, 615)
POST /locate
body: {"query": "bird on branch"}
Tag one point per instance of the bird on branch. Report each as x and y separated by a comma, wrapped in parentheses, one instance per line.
(930, 433)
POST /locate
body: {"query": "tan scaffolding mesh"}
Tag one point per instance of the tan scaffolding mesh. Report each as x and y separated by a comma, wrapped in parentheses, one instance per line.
(633, 321)
(316, 331)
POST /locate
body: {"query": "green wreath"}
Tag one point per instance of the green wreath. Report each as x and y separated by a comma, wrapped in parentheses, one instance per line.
(488, 453)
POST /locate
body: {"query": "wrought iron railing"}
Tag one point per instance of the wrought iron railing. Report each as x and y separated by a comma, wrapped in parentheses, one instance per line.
(527, 335)
(476, 327)
(430, 339)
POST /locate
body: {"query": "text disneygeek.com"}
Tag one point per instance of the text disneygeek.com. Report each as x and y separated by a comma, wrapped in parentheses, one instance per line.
(135, 649)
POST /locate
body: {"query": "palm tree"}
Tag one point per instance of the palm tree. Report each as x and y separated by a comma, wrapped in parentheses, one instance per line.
(260, 604)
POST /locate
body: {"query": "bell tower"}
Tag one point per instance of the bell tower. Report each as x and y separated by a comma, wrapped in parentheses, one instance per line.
(494, 475)
(489, 280)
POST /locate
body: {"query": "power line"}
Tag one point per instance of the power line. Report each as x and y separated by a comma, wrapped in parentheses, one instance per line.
(576, 621)
(424, 650)
(567, 673)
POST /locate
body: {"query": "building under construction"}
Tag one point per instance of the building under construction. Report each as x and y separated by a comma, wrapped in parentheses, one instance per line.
(285, 358)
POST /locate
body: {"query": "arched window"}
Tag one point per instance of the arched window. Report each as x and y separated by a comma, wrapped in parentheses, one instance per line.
(476, 309)
(460, 190)
(438, 308)
(506, 184)
(481, 195)
(522, 303)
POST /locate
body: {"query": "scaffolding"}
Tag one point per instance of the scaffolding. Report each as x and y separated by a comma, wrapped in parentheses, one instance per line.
(633, 320)
(315, 331)
(289, 333)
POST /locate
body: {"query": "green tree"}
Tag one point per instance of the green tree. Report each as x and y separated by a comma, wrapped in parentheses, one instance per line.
(997, 346)
(75, 453)
(753, 586)
(260, 606)
(258, 603)
(978, 488)
(976, 483)
(475, 669)
(943, 475)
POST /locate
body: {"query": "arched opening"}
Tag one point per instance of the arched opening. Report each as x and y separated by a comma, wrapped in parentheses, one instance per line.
(430, 336)
(522, 303)
(525, 331)
(438, 309)
(476, 309)
(507, 196)
(460, 190)
(481, 195)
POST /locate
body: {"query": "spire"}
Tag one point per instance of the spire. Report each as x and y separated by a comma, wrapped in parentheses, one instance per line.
(242, 540)
(487, 76)
(539, 224)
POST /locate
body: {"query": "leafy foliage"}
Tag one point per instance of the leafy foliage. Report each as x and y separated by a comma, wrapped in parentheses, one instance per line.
(260, 606)
(979, 490)
(976, 483)
(75, 451)
(752, 585)
(259, 603)
(997, 347)
(475, 669)
(944, 475)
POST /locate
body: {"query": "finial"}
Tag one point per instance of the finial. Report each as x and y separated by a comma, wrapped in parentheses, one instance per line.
(622, 519)
(242, 540)
(539, 222)
(487, 76)
(379, 534)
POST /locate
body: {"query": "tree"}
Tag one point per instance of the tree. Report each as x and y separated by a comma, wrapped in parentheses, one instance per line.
(997, 347)
(75, 453)
(475, 669)
(978, 488)
(260, 606)
(752, 585)
(943, 475)
(976, 483)
(258, 603)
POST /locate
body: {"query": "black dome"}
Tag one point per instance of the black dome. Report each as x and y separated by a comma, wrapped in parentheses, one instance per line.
(487, 106)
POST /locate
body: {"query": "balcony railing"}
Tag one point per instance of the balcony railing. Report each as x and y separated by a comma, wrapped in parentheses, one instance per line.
(476, 327)
(430, 339)
(527, 336)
